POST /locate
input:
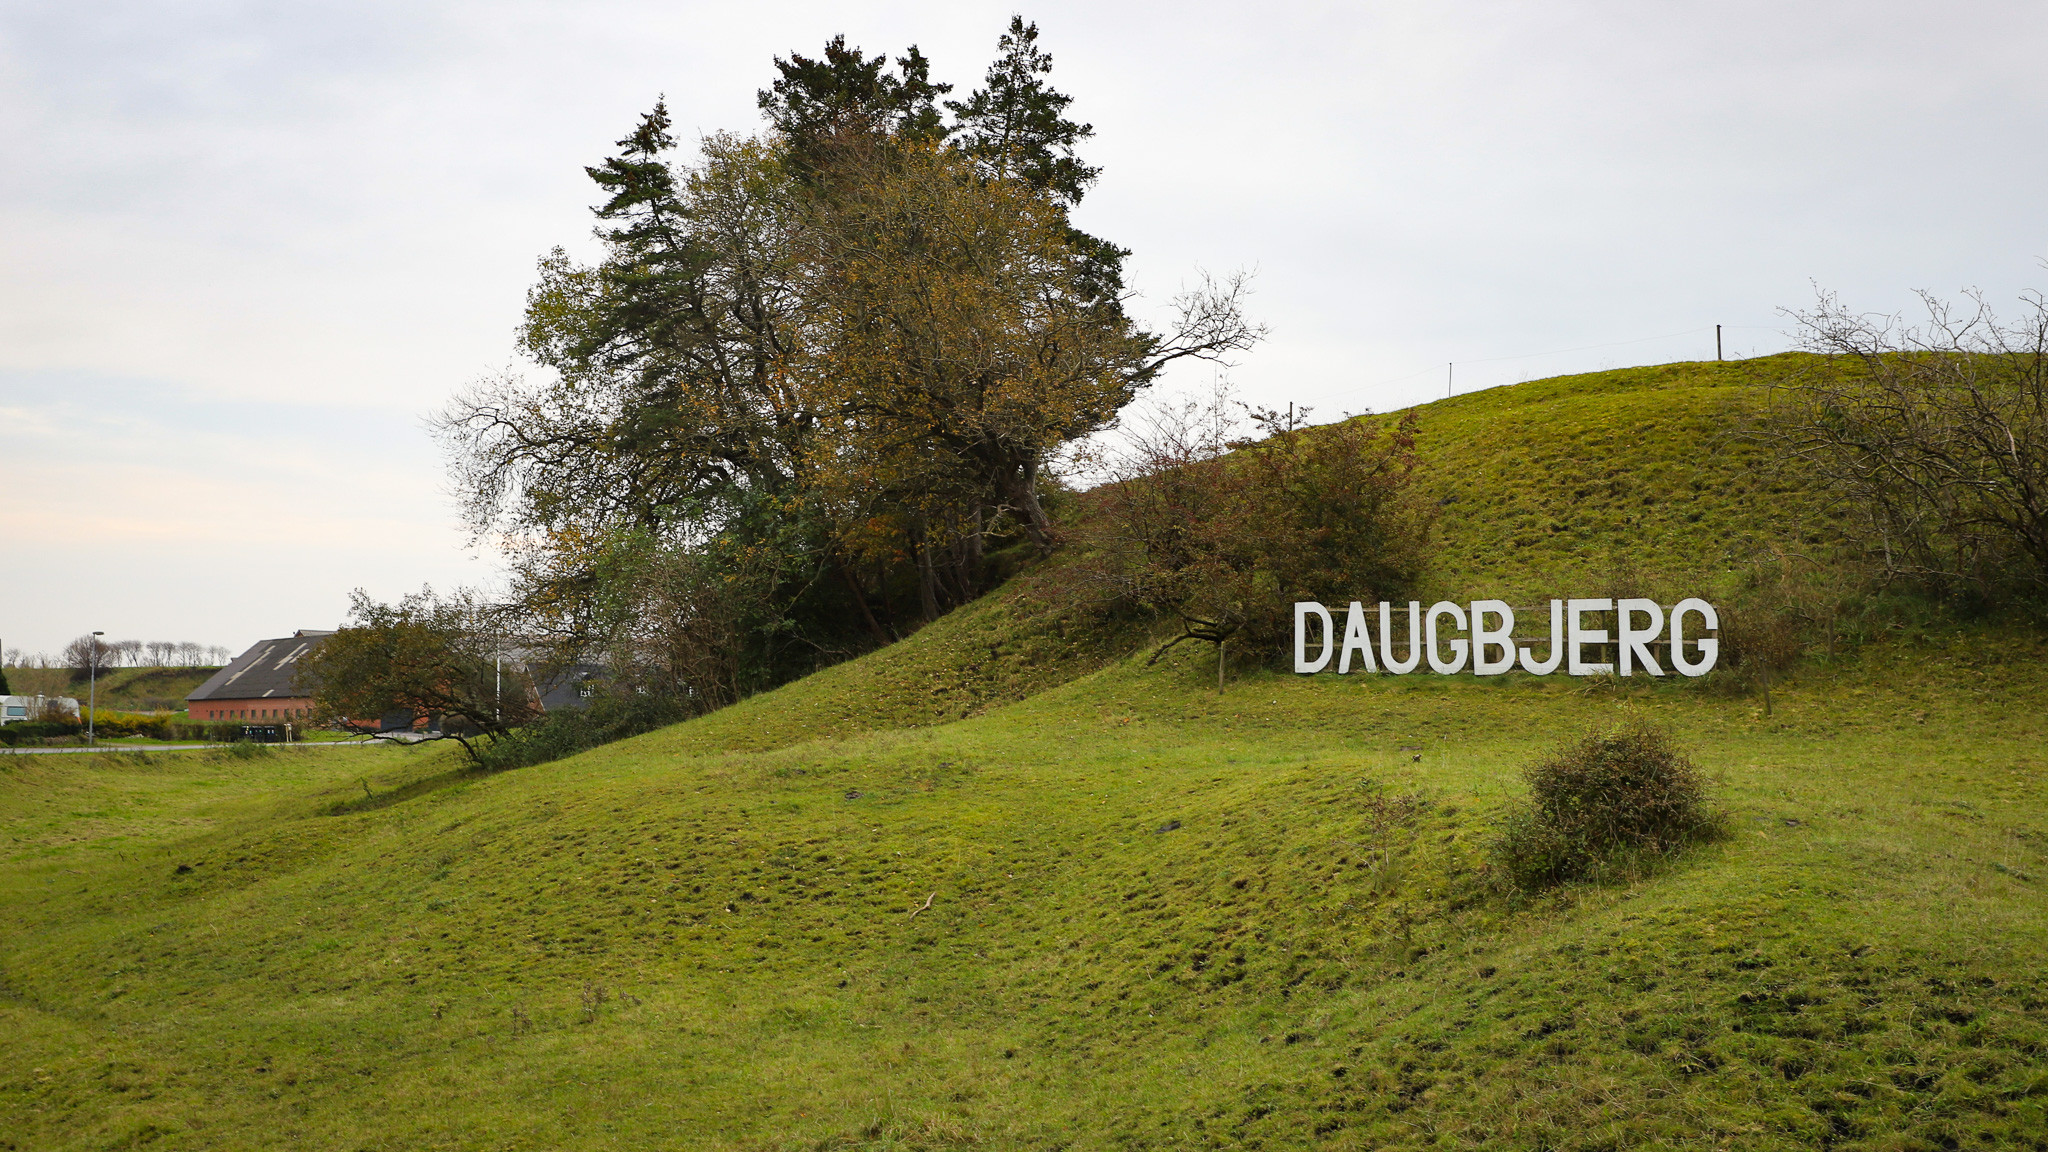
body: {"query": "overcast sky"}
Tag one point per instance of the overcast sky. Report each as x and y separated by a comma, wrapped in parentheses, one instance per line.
(246, 247)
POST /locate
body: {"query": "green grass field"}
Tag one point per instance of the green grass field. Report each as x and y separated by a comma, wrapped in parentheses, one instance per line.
(1003, 886)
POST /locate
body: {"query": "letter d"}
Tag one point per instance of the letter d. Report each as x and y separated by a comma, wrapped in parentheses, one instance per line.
(1302, 609)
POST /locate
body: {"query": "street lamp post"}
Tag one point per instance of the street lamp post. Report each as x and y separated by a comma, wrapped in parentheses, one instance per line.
(92, 679)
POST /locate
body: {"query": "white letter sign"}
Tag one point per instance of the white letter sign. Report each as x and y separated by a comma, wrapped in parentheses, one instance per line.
(1483, 639)
(1710, 649)
(1577, 636)
(1356, 639)
(1302, 608)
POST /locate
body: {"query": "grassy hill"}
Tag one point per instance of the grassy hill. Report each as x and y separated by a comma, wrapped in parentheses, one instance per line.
(121, 689)
(1612, 478)
(1002, 887)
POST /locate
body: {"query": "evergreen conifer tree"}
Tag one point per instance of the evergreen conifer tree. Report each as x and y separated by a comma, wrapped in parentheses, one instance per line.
(1015, 124)
(847, 99)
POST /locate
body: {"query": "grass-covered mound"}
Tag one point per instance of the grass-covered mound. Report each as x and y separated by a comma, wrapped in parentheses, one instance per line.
(1005, 647)
(1122, 911)
(1609, 478)
(119, 689)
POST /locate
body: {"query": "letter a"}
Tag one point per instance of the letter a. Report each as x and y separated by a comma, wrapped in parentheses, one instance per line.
(1356, 639)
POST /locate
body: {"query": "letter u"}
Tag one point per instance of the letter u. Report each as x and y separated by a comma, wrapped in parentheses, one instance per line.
(1401, 667)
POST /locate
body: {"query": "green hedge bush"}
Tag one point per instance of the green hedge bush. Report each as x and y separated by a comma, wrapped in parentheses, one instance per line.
(36, 731)
(1606, 805)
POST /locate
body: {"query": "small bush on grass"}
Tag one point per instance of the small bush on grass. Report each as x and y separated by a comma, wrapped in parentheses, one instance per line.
(1606, 805)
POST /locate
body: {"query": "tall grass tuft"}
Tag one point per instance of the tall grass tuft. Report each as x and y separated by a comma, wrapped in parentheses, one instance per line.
(1604, 806)
(241, 750)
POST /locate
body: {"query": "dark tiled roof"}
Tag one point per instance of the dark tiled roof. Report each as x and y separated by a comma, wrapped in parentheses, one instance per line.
(265, 671)
(567, 688)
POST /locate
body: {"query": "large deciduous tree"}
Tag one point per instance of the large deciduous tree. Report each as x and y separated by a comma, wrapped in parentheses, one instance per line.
(960, 343)
(816, 372)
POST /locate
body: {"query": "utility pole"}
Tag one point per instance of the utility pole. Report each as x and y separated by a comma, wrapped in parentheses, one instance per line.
(1717, 341)
(92, 680)
(1450, 374)
(1290, 415)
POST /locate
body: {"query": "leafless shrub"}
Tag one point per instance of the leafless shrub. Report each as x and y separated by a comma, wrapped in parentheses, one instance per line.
(593, 997)
(88, 654)
(1383, 814)
(1935, 436)
(1219, 534)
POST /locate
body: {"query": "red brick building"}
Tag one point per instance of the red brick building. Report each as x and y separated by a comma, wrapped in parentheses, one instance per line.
(260, 684)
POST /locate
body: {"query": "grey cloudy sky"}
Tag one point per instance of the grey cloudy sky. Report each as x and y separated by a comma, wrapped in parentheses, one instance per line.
(246, 247)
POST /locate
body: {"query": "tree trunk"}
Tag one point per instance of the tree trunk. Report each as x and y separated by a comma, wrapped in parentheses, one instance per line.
(958, 555)
(927, 579)
(962, 581)
(853, 586)
(1025, 496)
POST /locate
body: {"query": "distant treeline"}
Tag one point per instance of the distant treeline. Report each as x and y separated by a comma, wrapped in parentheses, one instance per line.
(88, 652)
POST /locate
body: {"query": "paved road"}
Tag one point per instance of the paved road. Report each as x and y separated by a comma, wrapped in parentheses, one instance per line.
(175, 748)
